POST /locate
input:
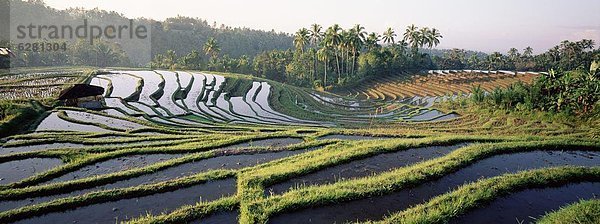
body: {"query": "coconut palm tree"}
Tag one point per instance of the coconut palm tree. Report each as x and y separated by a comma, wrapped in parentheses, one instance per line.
(388, 36)
(301, 39)
(527, 52)
(315, 34)
(513, 54)
(315, 37)
(357, 41)
(333, 39)
(435, 37)
(413, 37)
(323, 54)
(371, 42)
(345, 50)
(212, 48)
(425, 37)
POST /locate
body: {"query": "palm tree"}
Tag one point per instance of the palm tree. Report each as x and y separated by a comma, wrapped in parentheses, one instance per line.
(413, 36)
(212, 48)
(435, 37)
(527, 52)
(345, 50)
(323, 55)
(315, 34)
(301, 39)
(333, 39)
(388, 36)
(495, 61)
(513, 54)
(315, 37)
(425, 37)
(371, 41)
(357, 41)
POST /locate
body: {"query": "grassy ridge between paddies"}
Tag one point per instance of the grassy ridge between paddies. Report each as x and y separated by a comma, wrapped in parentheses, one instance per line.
(122, 193)
(68, 186)
(112, 195)
(256, 208)
(444, 207)
(585, 211)
(82, 160)
(20, 117)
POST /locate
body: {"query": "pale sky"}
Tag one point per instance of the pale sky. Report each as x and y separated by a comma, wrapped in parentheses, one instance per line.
(483, 25)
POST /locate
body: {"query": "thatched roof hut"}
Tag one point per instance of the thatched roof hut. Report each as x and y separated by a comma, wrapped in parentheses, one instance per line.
(5, 52)
(80, 91)
(83, 95)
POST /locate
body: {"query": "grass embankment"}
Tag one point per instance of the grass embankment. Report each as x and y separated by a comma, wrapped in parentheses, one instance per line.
(132, 192)
(84, 183)
(82, 160)
(583, 212)
(444, 207)
(24, 113)
(258, 209)
(111, 195)
(514, 121)
(19, 117)
(255, 207)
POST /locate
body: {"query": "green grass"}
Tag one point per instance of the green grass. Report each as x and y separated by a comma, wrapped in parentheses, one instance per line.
(257, 211)
(22, 118)
(112, 195)
(583, 212)
(492, 132)
(444, 207)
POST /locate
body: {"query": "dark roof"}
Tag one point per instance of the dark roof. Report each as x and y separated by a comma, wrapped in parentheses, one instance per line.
(80, 91)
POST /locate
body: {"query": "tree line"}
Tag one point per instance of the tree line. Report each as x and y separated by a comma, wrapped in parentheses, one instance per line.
(179, 34)
(568, 55)
(320, 57)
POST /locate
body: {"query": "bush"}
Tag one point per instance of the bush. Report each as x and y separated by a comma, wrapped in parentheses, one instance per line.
(574, 92)
(18, 117)
(478, 95)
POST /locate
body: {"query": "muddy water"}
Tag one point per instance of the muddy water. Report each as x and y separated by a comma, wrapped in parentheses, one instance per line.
(125, 209)
(351, 137)
(116, 165)
(273, 142)
(429, 115)
(446, 117)
(118, 103)
(225, 217)
(55, 123)
(375, 208)
(365, 167)
(123, 84)
(34, 148)
(108, 121)
(17, 170)
(224, 162)
(528, 205)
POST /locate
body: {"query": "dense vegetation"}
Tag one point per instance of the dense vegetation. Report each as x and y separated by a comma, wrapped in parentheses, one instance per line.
(315, 57)
(344, 58)
(571, 92)
(567, 56)
(189, 146)
(180, 34)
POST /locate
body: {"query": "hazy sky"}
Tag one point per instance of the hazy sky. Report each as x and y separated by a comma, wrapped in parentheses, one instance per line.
(484, 25)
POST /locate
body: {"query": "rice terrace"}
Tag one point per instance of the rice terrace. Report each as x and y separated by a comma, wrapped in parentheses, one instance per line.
(327, 124)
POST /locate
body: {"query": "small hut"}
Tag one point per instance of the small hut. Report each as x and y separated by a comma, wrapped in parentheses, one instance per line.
(5, 55)
(82, 95)
(5, 52)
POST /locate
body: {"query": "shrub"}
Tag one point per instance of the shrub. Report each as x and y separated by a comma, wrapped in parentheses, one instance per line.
(574, 92)
(477, 94)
